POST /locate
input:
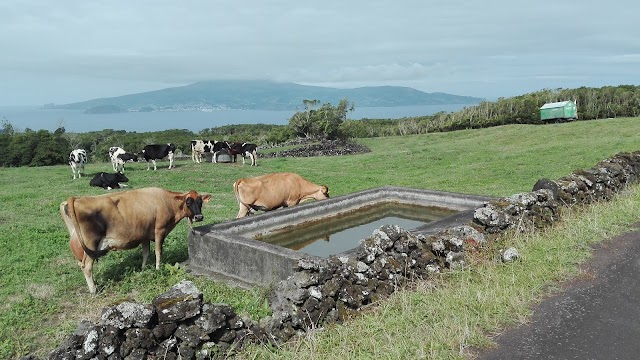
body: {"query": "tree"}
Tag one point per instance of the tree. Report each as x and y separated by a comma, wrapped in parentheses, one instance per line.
(5, 142)
(323, 122)
(51, 149)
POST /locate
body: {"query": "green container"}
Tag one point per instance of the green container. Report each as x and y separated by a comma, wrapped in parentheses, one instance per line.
(563, 110)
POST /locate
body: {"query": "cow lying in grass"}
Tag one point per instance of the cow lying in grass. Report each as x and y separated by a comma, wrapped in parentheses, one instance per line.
(273, 191)
(125, 220)
(108, 181)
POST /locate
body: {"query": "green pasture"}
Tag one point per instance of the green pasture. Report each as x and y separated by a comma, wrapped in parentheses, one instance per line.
(43, 294)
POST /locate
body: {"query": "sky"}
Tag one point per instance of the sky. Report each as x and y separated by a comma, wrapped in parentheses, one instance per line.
(68, 51)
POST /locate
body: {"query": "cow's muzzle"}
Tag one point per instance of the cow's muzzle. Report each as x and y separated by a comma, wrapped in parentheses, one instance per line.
(198, 217)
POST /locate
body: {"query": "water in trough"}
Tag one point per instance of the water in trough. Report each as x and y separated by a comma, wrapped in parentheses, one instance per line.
(343, 232)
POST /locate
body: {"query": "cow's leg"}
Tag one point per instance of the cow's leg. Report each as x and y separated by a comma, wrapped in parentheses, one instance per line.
(158, 252)
(171, 154)
(87, 270)
(215, 155)
(145, 252)
(244, 211)
(148, 164)
(253, 159)
(154, 165)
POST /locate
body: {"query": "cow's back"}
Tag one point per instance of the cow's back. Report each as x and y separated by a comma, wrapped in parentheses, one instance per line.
(271, 190)
(139, 205)
(144, 201)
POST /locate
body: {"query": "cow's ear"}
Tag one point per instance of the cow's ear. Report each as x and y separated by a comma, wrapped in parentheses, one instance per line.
(206, 197)
(179, 197)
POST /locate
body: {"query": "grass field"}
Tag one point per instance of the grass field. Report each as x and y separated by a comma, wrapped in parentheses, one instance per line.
(43, 294)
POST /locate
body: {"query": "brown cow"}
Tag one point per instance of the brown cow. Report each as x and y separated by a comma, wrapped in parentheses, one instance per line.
(125, 220)
(273, 191)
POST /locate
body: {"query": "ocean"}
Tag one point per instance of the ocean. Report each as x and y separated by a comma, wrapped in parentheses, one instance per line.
(76, 121)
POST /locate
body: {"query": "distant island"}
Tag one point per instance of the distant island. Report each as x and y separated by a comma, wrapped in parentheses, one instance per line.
(260, 95)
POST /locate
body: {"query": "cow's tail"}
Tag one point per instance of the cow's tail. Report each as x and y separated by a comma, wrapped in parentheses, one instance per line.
(236, 190)
(71, 212)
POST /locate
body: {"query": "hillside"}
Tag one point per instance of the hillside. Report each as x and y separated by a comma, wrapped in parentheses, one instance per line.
(267, 95)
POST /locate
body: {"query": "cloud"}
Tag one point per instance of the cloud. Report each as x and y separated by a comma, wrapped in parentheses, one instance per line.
(435, 46)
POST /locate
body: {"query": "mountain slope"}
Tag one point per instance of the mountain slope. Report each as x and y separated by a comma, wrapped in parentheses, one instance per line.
(267, 95)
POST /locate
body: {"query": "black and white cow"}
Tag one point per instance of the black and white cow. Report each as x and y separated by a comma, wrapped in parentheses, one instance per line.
(77, 159)
(199, 148)
(245, 150)
(108, 181)
(158, 151)
(217, 147)
(124, 158)
(114, 151)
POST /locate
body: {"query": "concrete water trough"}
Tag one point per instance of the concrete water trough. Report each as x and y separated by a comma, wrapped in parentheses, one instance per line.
(231, 252)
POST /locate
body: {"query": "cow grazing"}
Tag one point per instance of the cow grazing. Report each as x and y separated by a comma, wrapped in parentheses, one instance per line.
(245, 150)
(273, 191)
(123, 158)
(114, 151)
(199, 148)
(77, 159)
(158, 151)
(124, 220)
(108, 181)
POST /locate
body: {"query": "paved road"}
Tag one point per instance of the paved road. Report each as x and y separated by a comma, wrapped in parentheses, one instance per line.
(595, 317)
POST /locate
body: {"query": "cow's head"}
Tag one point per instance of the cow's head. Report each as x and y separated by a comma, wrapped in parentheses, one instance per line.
(121, 178)
(192, 204)
(323, 193)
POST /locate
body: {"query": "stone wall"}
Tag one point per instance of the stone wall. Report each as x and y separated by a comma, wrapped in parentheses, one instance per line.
(322, 148)
(178, 323)
(540, 207)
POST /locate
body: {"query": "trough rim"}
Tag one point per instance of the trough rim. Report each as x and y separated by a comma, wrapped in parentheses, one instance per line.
(239, 234)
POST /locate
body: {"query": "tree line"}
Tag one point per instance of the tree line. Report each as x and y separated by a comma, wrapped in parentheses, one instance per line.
(592, 103)
(316, 120)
